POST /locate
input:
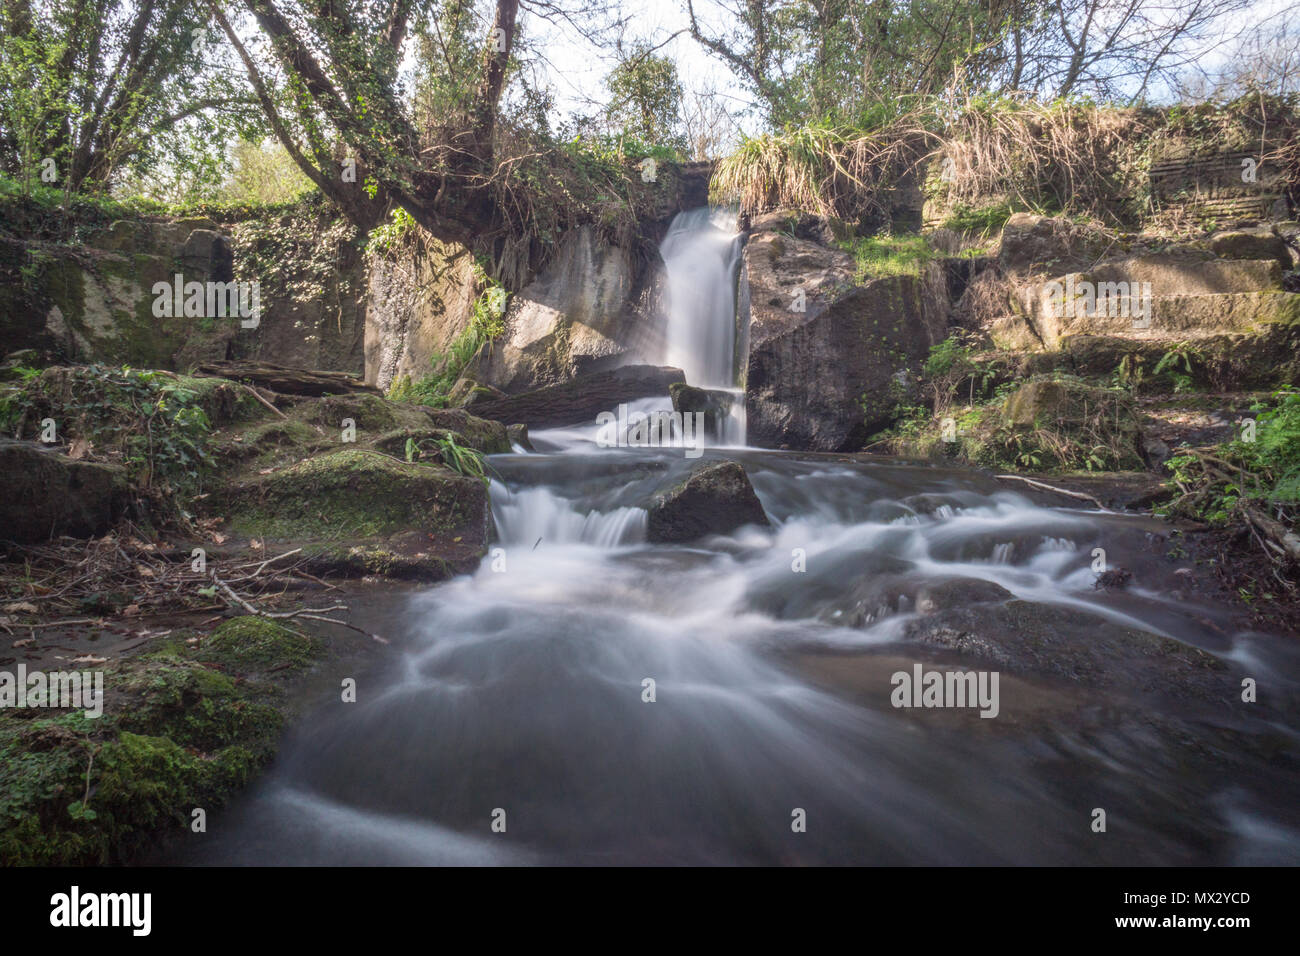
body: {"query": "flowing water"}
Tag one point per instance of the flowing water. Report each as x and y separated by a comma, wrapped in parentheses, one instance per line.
(702, 255)
(519, 692)
(520, 688)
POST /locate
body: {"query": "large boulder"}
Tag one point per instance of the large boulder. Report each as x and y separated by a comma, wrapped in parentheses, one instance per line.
(714, 499)
(43, 494)
(829, 359)
(1071, 645)
(581, 314)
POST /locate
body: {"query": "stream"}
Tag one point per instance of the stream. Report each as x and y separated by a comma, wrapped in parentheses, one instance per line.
(518, 694)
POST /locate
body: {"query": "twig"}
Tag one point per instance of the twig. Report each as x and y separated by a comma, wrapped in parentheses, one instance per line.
(80, 620)
(252, 391)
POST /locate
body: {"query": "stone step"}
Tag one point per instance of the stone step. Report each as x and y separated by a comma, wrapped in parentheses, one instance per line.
(1181, 316)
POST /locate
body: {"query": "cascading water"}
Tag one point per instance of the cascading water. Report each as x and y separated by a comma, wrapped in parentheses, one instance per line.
(773, 652)
(701, 255)
(521, 687)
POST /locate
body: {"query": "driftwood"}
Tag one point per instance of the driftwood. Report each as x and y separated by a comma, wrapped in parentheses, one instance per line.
(1282, 540)
(581, 399)
(288, 381)
(1060, 491)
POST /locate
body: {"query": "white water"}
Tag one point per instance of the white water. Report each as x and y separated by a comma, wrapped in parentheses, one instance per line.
(520, 687)
(701, 256)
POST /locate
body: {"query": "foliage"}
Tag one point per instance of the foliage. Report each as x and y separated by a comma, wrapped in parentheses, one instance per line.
(459, 458)
(148, 420)
(1183, 355)
(646, 97)
(832, 171)
(983, 221)
(91, 90)
(262, 174)
(1258, 469)
(887, 255)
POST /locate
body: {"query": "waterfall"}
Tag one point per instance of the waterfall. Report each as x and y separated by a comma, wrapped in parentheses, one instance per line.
(701, 254)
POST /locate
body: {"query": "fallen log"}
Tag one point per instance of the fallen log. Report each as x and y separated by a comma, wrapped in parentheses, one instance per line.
(581, 399)
(288, 381)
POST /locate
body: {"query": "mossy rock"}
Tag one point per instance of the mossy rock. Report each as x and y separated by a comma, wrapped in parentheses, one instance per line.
(180, 729)
(271, 438)
(482, 434)
(356, 493)
(255, 643)
(369, 413)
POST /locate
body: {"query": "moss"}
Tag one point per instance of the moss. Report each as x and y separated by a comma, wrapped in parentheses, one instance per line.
(354, 492)
(176, 734)
(223, 401)
(370, 413)
(887, 255)
(256, 643)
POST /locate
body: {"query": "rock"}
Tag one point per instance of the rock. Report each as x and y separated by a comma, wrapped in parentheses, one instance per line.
(1155, 451)
(467, 392)
(208, 251)
(362, 494)
(583, 398)
(714, 404)
(485, 434)
(714, 499)
(1068, 644)
(44, 494)
(583, 313)
(1251, 244)
(518, 435)
(1030, 241)
(827, 377)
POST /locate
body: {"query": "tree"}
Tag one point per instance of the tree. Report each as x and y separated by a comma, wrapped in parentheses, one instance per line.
(845, 61)
(646, 97)
(90, 86)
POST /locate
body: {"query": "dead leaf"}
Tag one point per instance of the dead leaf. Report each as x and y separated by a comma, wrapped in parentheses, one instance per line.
(217, 537)
(131, 610)
(79, 449)
(22, 607)
(90, 659)
(24, 642)
(255, 545)
(148, 572)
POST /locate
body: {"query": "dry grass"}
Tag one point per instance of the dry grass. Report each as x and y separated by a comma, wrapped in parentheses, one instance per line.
(831, 172)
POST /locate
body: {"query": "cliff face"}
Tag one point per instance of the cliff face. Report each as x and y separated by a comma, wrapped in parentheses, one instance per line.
(325, 303)
(99, 301)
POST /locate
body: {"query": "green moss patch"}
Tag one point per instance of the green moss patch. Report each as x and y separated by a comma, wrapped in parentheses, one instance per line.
(182, 728)
(257, 643)
(355, 492)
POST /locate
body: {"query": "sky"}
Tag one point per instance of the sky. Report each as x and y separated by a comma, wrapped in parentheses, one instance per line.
(576, 69)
